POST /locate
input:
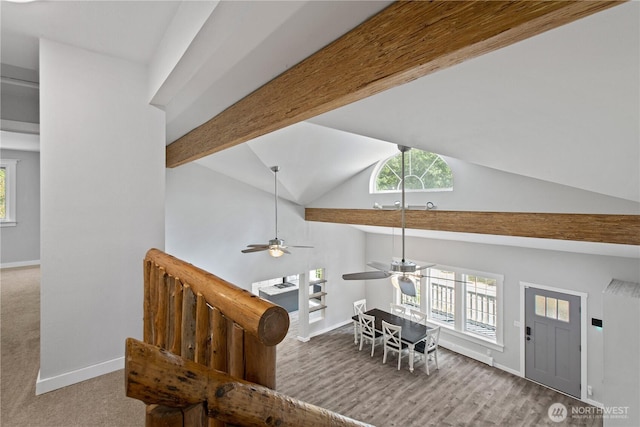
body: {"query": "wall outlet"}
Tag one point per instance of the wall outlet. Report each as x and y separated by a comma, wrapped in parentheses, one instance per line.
(589, 390)
(516, 323)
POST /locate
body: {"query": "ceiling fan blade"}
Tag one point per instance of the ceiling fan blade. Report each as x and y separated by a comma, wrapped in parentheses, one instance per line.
(258, 245)
(284, 250)
(422, 267)
(367, 275)
(256, 249)
(378, 265)
(297, 246)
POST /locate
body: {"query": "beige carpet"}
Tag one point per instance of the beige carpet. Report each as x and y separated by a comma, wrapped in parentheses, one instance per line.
(96, 402)
(327, 371)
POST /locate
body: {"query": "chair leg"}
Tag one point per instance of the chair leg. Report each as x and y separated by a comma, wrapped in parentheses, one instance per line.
(361, 342)
(435, 355)
(426, 363)
(384, 355)
(399, 359)
(355, 332)
(373, 346)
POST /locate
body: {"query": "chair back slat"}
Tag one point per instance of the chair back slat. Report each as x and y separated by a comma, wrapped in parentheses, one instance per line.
(392, 335)
(359, 306)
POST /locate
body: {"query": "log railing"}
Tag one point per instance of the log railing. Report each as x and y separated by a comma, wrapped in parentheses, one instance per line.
(209, 354)
(202, 318)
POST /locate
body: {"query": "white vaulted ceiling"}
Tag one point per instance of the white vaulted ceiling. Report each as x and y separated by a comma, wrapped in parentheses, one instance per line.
(562, 106)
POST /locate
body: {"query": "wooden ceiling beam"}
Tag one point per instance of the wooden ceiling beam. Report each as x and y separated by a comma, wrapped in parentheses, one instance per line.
(601, 228)
(405, 41)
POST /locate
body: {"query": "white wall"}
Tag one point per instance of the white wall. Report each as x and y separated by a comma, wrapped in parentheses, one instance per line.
(20, 245)
(102, 185)
(210, 218)
(478, 188)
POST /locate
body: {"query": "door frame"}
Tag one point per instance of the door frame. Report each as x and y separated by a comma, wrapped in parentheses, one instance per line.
(583, 331)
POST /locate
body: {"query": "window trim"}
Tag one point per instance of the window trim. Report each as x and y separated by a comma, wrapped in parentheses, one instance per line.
(457, 329)
(10, 167)
(374, 176)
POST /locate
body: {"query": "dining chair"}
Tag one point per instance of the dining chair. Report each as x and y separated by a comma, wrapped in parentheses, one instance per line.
(429, 347)
(418, 316)
(392, 337)
(397, 309)
(359, 306)
(368, 331)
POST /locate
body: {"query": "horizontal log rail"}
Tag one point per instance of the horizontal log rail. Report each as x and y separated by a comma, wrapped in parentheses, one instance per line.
(154, 375)
(601, 228)
(405, 41)
(267, 321)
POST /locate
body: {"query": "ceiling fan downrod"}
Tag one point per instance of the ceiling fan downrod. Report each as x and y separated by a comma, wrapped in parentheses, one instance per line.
(403, 149)
(275, 170)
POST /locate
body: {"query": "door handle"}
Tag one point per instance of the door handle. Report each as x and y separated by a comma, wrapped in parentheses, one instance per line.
(528, 333)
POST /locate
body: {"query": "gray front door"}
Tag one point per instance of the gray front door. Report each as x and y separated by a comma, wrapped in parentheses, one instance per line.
(552, 339)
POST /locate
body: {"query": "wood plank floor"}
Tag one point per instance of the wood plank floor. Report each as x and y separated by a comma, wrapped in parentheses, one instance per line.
(329, 371)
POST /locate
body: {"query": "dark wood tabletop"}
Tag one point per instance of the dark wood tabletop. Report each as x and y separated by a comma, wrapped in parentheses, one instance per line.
(412, 332)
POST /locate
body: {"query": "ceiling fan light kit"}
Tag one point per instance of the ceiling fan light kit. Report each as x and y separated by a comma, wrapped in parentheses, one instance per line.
(276, 246)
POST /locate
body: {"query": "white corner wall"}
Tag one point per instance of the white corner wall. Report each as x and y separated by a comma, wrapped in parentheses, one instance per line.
(102, 201)
(210, 218)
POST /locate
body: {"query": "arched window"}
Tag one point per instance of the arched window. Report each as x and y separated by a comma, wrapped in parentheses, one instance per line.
(425, 171)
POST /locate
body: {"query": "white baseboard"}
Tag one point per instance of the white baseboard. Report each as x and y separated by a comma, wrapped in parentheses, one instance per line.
(466, 352)
(507, 369)
(330, 328)
(45, 385)
(20, 264)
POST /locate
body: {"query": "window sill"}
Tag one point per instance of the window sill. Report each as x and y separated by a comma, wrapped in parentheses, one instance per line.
(8, 223)
(469, 337)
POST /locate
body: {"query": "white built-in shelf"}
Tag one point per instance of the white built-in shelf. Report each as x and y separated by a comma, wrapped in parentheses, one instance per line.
(317, 295)
(317, 307)
(316, 299)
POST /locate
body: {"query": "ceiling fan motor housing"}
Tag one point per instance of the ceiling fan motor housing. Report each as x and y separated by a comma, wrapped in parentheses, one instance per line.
(403, 267)
(276, 242)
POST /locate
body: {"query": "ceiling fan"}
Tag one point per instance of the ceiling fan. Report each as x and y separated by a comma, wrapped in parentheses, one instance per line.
(276, 246)
(403, 273)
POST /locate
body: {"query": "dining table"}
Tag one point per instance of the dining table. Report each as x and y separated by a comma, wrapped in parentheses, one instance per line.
(412, 332)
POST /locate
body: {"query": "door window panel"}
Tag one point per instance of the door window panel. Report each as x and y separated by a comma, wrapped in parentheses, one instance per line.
(552, 308)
